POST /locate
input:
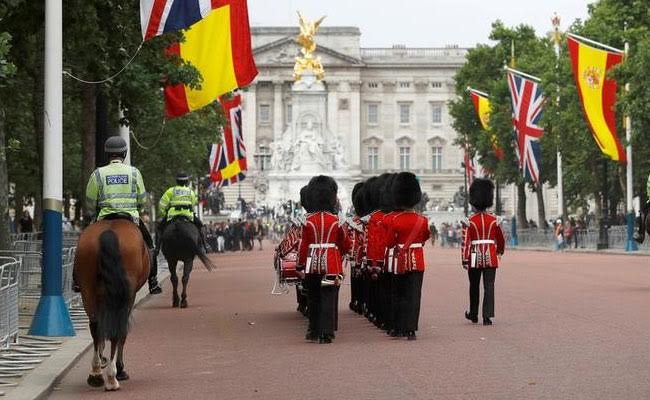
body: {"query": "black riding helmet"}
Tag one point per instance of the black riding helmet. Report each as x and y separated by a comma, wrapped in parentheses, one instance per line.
(116, 146)
(182, 178)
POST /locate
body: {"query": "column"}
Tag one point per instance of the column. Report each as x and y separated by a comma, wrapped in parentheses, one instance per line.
(278, 110)
(249, 116)
(389, 125)
(422, 122)
(354, 141)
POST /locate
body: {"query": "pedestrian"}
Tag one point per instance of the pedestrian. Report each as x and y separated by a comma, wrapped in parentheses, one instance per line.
(220, 233)
(26, 223)
(559, 235)
(407, 233)
(434, 234)
(483, 244)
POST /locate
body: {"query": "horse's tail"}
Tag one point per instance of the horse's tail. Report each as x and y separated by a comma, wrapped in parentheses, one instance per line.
(113, 311)
(200, 252)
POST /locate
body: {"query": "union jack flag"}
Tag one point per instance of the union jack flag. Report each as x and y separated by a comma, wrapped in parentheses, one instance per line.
(228, 159)
(527, 109)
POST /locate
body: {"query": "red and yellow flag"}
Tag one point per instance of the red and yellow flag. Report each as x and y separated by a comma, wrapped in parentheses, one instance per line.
(598, 93)
(219, 46)
(483, 108)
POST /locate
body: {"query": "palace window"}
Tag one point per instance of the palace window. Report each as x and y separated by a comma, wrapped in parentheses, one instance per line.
(436, 113)
(404, 113)
(405, 158)
(373, 158)
(263, 158)
(436, 156)
(373, 113)
(264, 114)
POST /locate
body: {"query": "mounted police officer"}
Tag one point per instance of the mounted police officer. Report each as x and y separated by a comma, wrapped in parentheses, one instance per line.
(178, 201)
(116, 191)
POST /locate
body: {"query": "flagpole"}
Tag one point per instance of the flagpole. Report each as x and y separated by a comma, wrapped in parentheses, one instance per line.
(631, 243)
(557, 37)
(52, 317)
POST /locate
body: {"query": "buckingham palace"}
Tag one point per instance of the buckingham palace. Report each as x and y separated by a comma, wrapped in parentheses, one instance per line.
(386, 109)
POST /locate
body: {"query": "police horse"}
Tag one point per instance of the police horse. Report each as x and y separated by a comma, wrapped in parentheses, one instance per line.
(111, 265)
(181, 241)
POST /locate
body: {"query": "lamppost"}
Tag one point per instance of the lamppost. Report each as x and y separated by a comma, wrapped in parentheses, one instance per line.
(557, 38)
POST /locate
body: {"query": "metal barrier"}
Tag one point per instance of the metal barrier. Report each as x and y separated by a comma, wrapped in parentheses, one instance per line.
(9, 273)
(586, 239)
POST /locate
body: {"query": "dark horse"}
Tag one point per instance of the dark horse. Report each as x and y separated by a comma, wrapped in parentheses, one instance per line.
(111, 265)
(181, 241)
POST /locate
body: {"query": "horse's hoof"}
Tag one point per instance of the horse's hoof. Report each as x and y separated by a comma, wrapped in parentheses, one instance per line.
(111, 388)
(95, 380)
(122, 376)
(175, 303)
(183, 303)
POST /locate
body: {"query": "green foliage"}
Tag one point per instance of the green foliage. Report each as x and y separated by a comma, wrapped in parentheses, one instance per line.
(100, 37)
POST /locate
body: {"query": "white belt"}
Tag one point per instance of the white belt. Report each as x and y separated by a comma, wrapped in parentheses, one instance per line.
(413, 246)
(484, 241)
(322, 246)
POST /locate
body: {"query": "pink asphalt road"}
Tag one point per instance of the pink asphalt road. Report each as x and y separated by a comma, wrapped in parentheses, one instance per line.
(567, 326)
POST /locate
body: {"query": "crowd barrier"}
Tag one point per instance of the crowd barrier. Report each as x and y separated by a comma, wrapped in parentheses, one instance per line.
(9, 278)
(583, 239)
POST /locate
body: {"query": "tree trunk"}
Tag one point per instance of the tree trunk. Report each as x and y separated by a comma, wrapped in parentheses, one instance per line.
(87, 141)
(521, 205)
(66, 205)
(598, 209)
(5, 238)
(19, 200)
(541, 211)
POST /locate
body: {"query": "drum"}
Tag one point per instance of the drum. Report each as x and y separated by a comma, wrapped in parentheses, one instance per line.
(288, 273)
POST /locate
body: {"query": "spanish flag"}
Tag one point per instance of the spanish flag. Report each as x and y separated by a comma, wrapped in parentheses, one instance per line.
(597, 91)
(219, 46)
(483, 108)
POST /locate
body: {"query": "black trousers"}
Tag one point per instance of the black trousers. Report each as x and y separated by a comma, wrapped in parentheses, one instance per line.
(312, 286)
(407, 295)
(489, 274)
(328, 318)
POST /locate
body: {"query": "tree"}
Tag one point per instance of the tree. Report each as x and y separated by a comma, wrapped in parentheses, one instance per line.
(7, 70)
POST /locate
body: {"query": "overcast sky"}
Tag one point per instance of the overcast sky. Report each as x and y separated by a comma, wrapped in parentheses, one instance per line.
(419, 23)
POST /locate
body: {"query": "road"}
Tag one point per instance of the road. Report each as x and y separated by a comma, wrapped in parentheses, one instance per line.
(567, 326)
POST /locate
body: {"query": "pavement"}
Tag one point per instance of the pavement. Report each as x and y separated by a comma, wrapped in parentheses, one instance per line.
(568, 326)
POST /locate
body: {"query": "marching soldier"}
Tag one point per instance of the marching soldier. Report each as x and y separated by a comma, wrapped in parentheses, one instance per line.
(407, 232)
(116, 191)
(482, 244)
(322, 243)
(375, 244)
(355, 231)
(387, 206)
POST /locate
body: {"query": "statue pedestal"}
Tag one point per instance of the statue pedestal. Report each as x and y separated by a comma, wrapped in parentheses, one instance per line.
(307, 147)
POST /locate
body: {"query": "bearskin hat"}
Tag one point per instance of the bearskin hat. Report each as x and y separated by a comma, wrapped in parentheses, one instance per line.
(304, 198)
(406, 190)
(481, 194)
(357, 199)
(321, 195)
(371, 194)
(386, 198)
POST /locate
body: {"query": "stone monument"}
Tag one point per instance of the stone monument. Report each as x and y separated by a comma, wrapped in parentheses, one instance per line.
(307, 147)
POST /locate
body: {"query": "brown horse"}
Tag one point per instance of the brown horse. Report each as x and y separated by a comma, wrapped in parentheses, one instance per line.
(111, 265)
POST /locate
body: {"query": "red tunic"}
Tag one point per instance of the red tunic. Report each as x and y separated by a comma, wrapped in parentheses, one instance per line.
(323, 241)
(482, 241)
(408, 231)
(375, 239)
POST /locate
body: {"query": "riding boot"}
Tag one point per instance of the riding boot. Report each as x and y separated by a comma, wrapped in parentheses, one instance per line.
(154, 287)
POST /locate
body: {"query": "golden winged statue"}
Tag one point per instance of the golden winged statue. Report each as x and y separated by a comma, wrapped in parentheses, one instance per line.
(308, 30)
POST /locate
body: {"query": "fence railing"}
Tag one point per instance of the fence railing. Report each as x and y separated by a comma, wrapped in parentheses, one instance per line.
(9, 274)
(582, 238)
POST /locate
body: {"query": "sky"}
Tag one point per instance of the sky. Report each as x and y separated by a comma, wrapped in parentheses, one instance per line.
(420, 23)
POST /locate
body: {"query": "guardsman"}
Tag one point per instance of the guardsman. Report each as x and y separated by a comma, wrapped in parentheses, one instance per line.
(355, 230)
(323, 241)
(179, 201)
(407, 232)
(116, 191)
(386, 293)
(640, 235)
(483, 243)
